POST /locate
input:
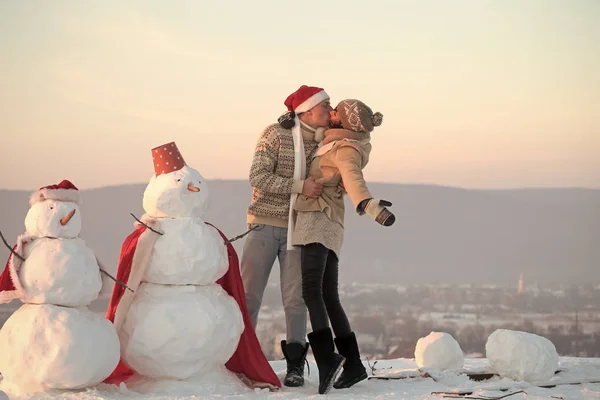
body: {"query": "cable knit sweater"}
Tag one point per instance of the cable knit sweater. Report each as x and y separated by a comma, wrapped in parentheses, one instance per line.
(271, 174)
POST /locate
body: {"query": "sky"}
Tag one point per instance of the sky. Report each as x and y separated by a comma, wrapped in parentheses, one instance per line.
(474, 93)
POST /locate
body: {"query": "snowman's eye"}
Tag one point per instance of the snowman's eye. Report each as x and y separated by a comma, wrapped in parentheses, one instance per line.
(52, 208)
(178, 180)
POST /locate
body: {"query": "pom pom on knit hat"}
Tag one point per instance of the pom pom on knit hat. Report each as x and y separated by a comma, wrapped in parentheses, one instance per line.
(377, 119)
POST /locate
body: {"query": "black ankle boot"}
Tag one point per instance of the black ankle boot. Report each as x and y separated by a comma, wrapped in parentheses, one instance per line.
(328, 361)
(295, 356)
(354, 371)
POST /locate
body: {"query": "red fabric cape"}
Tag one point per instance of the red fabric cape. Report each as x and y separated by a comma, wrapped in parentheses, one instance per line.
(248, 358)
(8, 289)
(6, 283)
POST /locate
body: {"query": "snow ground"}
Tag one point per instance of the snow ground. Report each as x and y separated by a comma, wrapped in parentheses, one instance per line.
(572, 369)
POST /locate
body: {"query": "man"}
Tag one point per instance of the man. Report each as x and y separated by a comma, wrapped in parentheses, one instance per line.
(278, 175)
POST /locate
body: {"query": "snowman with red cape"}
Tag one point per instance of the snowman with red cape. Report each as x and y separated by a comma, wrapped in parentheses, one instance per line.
(185, 323)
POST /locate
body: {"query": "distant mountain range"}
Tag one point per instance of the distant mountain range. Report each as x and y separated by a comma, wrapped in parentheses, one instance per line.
(441, 235)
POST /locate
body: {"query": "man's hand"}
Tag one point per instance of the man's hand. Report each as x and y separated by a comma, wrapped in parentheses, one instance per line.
(312, 187)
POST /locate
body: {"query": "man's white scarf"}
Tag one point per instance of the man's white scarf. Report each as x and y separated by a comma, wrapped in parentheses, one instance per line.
(299, 174)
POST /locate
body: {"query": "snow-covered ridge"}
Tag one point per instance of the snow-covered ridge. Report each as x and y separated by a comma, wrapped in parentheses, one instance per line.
(417, 388)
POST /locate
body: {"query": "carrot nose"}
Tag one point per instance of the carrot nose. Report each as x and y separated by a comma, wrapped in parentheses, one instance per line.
(193, 188)
(65, 220)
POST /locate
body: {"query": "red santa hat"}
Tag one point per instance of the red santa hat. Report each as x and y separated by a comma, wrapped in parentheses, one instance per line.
(64, 191)
(167, 158)
(305, 98)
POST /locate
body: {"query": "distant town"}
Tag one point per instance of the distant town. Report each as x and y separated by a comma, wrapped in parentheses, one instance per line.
(389, 319)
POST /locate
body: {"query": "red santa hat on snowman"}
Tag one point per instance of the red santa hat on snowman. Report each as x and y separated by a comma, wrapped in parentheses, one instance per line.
(63, 191)
(302, 100)
(10, 286)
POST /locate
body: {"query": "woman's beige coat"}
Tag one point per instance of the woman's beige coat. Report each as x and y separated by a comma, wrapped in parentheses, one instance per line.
(341, 159)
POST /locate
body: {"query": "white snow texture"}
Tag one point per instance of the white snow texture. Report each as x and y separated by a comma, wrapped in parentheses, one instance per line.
(521, 356)
(168, 196)
(44, 219)
(180, 331)
(189, 252)
(47, 346)
(439, 351)
(218, 381)
(60, 271)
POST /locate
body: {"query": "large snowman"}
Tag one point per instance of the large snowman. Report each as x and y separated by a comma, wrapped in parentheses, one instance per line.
(53, 341)
(187, 314)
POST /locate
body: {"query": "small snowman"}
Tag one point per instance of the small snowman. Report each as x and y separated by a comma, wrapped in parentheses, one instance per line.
(186, 316)
(53, 341)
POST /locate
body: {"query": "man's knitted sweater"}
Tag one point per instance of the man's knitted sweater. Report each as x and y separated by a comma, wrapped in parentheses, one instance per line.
(272, 172)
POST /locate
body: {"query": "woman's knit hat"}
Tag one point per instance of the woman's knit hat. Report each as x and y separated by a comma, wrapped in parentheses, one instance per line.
(357, 116)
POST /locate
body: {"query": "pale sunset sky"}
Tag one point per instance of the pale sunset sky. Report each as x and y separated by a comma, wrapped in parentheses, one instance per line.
(474, 93)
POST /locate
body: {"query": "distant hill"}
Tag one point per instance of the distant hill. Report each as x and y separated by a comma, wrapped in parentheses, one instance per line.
(442, 234)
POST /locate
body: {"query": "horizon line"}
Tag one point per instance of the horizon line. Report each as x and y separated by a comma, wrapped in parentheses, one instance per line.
(371, 182)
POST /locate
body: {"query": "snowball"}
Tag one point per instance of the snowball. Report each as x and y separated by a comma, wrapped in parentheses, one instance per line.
(60, 271)
(440, 351)
(3, 396)
(44, 219)
(167, 195)
(180, 331)
(52, 347)
(521, 356)
(190, 252)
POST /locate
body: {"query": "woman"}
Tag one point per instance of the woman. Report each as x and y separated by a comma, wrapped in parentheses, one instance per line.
(319, 231)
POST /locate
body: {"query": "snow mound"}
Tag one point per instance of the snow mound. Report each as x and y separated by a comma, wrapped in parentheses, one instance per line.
(180, 331)
(190, 252)
(521, 356)
(217, 381)
(61, 272)
(440, 351)
(47, 346)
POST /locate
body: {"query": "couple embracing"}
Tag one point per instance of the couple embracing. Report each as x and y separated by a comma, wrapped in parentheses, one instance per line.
(301, 170)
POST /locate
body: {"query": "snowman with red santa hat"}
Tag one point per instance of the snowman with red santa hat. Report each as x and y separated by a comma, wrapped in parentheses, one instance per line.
(53, 341)
(186, 321)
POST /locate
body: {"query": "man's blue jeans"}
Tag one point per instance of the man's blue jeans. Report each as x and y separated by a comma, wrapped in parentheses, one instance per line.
(262, 246)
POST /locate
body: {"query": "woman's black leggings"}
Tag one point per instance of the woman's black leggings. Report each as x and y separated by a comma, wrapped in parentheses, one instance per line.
(320, 290)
